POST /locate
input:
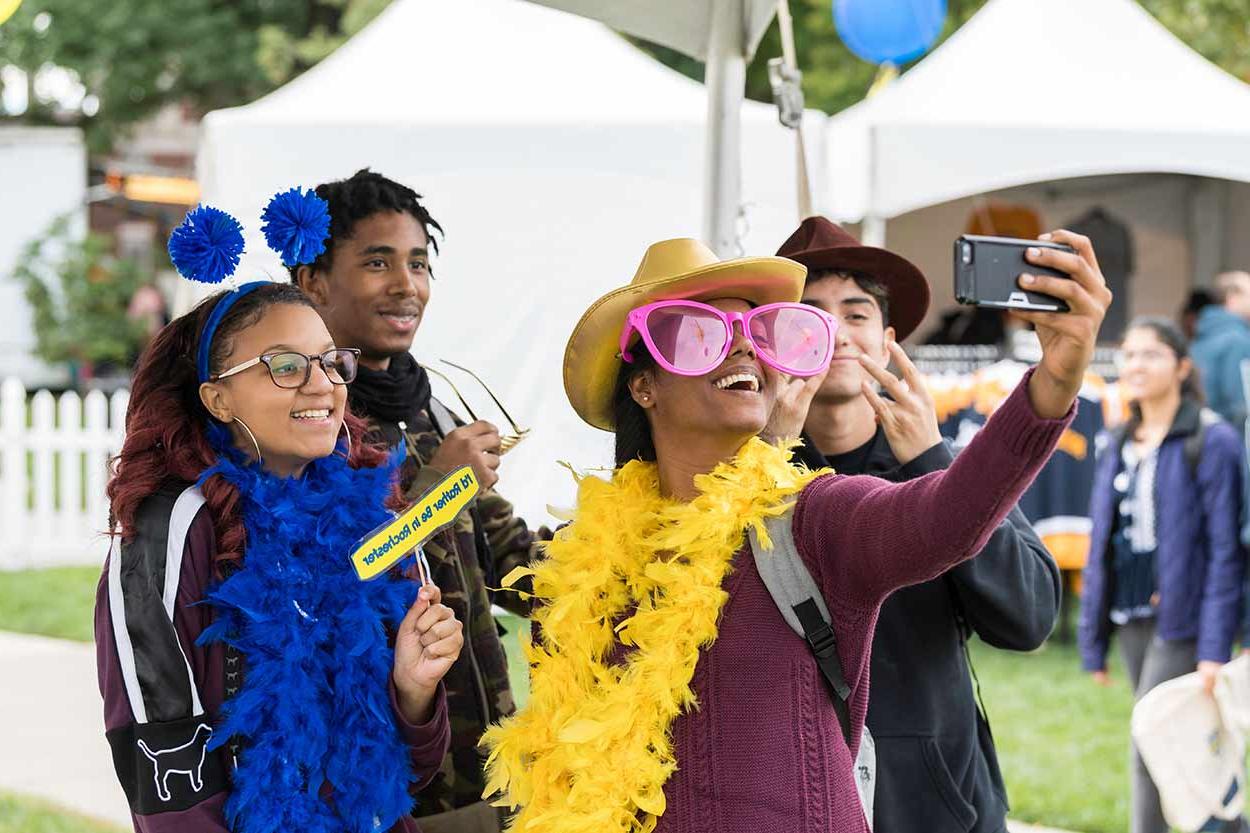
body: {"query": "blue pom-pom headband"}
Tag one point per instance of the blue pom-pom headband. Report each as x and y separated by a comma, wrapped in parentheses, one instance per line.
(207, 245)
(297, 224)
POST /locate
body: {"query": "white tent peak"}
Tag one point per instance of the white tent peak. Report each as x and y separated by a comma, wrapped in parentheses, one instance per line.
(454, 61)
(1029, 91)
(1103, 62)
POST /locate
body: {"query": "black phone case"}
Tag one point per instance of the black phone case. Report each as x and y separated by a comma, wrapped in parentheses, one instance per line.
(987, 273)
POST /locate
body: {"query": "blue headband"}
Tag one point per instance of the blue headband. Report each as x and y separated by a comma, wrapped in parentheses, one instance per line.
(214, 321)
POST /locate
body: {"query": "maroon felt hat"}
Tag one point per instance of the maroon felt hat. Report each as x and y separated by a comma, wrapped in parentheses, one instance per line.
(821, 245)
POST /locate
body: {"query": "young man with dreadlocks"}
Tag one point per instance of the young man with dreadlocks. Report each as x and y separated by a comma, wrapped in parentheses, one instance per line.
(937, 769)
(371, 286)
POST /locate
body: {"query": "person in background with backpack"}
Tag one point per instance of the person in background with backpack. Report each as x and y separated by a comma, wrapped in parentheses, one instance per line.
(937, 769)
(670, 691)
(1166, 565)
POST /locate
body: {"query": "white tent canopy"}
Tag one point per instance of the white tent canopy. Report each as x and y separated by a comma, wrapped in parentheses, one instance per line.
(724, 35)
(682, 25)
(550, 149)
(1029, 92)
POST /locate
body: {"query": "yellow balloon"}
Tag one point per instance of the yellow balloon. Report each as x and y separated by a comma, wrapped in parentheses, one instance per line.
(7, 7)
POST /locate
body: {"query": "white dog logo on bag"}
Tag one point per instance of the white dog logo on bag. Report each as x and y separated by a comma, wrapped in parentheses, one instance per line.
(187, 760)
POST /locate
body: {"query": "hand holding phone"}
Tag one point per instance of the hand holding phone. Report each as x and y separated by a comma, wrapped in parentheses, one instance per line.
(1067, 339)
(988, 269)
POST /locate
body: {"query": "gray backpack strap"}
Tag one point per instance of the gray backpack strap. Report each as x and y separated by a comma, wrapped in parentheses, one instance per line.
(784, 573)
(802, 605)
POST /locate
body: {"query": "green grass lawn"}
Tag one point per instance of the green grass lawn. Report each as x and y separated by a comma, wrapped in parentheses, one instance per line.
(20, 814)
(517, 671)
(53, 602)
(1062, 741)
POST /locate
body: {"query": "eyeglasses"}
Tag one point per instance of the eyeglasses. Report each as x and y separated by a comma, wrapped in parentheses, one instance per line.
(289, 369)
(506, 442)
(690, 338)
(1149, 356)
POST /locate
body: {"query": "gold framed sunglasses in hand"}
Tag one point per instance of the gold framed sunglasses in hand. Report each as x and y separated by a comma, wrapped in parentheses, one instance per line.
(507, 442)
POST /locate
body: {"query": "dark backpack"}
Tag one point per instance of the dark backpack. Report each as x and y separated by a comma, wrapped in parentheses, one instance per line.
(1191, 447)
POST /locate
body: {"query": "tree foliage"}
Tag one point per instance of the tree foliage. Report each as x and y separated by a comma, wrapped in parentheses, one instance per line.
(134, 57)
(1218, 29)
(78, 294)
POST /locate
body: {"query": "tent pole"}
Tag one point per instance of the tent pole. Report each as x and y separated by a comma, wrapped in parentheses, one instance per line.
(873, 231)
(725, 79)
(1208, 207)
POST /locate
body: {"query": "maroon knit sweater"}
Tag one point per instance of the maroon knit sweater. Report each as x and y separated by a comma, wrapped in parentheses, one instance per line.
(763, 753)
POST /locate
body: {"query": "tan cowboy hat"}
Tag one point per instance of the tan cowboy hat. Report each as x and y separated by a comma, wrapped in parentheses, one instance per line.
(670, 269)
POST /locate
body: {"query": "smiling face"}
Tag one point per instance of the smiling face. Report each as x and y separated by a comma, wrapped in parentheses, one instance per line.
(861, 329)
(1151, 371)
(293, 427)
(377, 286)
(727, 406)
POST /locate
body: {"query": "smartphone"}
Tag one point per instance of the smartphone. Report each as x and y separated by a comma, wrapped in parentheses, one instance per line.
(988, 269)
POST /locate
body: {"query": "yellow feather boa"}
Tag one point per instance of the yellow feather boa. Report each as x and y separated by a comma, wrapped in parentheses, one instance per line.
(592, 750)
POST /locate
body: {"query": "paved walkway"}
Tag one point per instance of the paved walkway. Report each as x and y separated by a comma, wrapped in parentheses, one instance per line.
(52, 729)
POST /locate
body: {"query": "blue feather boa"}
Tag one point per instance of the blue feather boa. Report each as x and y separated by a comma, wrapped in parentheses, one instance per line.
(315, 707)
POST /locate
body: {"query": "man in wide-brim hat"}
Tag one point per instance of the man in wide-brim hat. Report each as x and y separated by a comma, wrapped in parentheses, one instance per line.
(937, 768)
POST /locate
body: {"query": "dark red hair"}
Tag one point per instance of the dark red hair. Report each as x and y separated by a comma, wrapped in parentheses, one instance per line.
(166, 441)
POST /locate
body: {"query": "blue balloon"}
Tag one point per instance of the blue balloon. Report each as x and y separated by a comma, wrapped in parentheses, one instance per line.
(889, 31)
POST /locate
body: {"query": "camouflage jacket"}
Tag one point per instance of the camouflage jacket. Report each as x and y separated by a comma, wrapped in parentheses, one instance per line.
(477, 686)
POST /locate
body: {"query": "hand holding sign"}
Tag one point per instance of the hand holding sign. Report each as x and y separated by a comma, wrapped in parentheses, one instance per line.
(427, 644)
(475, 445)
(382, 548)
(429, 637)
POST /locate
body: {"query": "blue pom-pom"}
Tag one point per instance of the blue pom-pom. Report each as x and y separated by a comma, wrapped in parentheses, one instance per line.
(206, 247)
(297, 224)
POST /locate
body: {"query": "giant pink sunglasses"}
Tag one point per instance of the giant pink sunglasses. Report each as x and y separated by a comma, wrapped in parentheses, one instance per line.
(690, 338)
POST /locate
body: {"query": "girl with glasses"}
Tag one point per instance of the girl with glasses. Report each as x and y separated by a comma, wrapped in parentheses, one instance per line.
(669, 692)
(251, 681)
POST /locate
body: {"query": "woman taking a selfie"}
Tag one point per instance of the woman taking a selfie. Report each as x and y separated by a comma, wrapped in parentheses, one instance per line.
(668, 690)
(1165, 564)
(251, 682)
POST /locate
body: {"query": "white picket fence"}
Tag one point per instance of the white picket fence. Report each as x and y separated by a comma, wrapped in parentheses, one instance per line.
(54, 455)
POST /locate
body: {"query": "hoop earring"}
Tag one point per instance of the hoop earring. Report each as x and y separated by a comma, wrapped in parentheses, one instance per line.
(348, 432)
(260, 459)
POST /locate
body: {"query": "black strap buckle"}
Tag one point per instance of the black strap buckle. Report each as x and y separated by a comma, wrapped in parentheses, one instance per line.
(822, 641)
(820, 638)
